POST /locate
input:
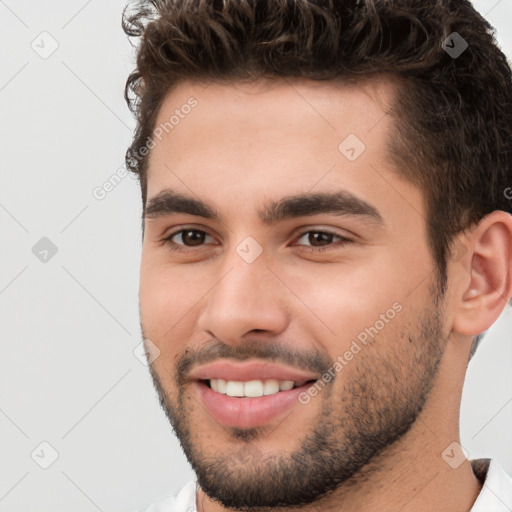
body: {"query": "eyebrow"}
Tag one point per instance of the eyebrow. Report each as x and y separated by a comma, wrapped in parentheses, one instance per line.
(341, 203)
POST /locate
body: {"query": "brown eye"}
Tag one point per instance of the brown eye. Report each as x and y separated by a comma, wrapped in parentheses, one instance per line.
(189, 238)
(193, 237)
(319, 237)
(322, 240)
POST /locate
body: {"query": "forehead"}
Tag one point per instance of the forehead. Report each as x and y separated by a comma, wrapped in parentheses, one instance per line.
(273, 113)
(272, 137)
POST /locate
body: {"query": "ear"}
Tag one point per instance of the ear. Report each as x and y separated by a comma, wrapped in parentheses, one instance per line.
(485, 286)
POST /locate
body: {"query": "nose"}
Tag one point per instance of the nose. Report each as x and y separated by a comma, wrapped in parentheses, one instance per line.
(248, 297)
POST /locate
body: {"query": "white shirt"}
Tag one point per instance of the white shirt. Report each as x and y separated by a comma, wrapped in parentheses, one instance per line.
(495, 496)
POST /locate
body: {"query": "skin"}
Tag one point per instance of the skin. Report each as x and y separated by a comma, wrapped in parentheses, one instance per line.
(245, 144)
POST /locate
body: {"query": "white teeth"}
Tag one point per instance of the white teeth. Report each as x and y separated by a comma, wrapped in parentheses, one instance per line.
(234, 388)
(286, 385)
(271, 387)
(252, 388)
(221, 385)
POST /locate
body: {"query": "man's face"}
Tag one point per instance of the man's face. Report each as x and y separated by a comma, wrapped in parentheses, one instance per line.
(338, 297)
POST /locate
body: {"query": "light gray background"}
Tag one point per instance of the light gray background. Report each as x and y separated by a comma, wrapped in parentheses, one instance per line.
(68, 327)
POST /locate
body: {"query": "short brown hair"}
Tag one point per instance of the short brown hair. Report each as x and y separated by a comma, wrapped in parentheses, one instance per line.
(453, 130)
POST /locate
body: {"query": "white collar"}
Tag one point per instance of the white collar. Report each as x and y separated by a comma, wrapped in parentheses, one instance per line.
(495, 496)
(496, 493)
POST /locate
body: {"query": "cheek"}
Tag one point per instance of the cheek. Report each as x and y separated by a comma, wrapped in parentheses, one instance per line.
(170, 298)
(342, 300)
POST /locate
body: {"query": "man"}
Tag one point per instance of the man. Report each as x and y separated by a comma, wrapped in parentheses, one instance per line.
(327, 234)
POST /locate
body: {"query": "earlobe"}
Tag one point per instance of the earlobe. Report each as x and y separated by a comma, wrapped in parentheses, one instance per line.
(489, 267)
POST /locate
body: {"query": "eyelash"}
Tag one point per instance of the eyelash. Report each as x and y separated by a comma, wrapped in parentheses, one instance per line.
(343, 241)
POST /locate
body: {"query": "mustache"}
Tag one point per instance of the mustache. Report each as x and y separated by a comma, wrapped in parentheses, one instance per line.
(310, 360)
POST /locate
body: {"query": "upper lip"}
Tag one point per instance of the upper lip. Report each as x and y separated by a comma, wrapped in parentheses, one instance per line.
(249, 370)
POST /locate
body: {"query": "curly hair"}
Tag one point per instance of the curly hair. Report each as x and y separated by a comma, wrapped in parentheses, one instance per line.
(452, 135)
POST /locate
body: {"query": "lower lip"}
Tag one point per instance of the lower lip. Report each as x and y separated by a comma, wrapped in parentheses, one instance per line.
(248, 412)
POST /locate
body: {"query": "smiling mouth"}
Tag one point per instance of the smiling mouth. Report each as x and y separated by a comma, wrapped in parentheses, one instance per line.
(253, 388)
